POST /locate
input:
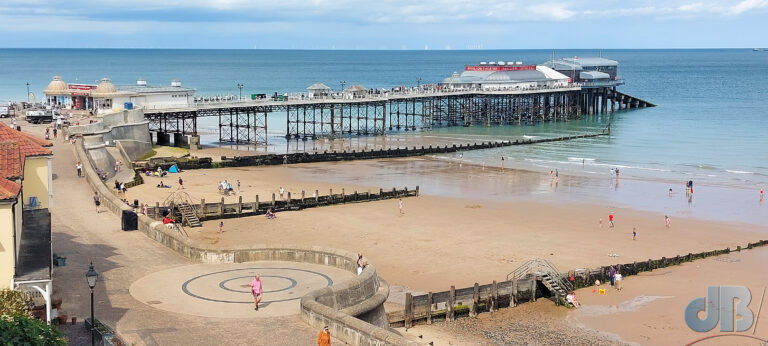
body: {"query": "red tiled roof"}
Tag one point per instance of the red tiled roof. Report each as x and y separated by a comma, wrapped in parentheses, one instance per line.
(15, 147)
(11, 163)
(8, 189)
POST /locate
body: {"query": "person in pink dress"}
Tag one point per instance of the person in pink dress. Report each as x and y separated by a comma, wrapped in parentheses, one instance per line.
(256, 291)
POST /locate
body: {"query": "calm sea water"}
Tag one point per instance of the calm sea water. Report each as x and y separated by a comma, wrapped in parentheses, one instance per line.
(710, 124)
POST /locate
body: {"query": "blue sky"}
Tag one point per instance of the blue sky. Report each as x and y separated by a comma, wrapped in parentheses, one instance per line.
(397, 24)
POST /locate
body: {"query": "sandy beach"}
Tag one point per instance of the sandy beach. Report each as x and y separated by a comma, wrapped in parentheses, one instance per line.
(444, 239)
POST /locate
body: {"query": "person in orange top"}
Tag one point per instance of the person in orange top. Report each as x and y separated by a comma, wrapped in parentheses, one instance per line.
(324, 338)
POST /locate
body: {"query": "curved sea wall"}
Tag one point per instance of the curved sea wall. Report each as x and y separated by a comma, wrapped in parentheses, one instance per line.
(353, 309)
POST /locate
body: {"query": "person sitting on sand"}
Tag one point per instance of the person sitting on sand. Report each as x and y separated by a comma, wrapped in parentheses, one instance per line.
(270, 214)
(163, 186)
(571, 299)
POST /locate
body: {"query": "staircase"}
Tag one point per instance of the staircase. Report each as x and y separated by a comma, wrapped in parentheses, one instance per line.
(188, 215)
(546, 273)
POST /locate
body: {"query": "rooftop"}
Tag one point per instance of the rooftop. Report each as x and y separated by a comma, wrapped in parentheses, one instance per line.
(8, 189)
(148, 89)
(12, 164)
(35, 246)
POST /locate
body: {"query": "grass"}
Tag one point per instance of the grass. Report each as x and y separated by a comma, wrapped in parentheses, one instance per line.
(147, 155)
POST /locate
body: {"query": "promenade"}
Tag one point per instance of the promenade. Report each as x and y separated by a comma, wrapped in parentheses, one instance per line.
(122, 258)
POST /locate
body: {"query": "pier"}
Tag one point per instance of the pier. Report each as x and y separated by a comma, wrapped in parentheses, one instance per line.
(372, 113)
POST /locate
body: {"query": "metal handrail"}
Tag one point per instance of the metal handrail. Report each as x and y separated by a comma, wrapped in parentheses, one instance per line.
(540, 265)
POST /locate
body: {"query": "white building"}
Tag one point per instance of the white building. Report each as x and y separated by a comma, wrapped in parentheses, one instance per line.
(118, 97)
(504, 76)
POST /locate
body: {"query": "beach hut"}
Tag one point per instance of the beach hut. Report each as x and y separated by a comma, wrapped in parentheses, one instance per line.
(317, 90)
(356, 91)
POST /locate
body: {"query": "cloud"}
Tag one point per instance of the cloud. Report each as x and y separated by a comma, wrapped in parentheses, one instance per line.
(747, 5)
(552, 11)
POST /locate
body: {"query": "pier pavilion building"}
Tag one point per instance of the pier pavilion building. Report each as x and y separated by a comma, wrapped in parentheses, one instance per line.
(585, 69)
(504, 76)
(106, 95)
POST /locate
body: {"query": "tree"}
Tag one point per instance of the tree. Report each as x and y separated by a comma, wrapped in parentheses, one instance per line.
(18, 327)
(14, 302)
(25, 330)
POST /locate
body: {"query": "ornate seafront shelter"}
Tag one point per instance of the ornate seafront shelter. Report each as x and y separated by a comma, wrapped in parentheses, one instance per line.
(108, 96)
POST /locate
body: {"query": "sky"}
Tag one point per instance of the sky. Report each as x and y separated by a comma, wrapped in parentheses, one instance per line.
(384, 24)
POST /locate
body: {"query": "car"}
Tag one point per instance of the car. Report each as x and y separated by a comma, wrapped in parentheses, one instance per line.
(39, 116)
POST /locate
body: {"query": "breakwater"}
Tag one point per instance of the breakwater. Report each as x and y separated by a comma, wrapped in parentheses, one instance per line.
(325, 156)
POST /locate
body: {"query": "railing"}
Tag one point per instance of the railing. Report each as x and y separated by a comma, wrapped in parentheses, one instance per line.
(540, 266)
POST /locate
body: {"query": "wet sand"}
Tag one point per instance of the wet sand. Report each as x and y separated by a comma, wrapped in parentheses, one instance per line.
(649, 309)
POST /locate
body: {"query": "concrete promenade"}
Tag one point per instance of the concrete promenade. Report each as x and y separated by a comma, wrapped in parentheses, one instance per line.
(122, 258)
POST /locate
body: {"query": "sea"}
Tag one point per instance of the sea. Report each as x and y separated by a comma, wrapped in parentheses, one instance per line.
(710, 125)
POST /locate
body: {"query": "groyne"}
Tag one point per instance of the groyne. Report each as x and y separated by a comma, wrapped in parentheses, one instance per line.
(325, 156)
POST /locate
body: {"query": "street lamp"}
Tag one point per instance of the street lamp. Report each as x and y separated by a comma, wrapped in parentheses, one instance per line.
(92, 276)
(418, 82)
(342, 85)
(240, 86)
(27, 91)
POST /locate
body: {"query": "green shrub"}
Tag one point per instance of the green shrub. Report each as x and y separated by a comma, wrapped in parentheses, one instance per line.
(14, 303)
(25, 330)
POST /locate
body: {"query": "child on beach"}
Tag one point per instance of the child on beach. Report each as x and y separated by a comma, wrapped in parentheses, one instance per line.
(610, 220)
(617, 280)
(634, 233)
(667, 221)
(221, 227)
(400, 205)
(601, 223)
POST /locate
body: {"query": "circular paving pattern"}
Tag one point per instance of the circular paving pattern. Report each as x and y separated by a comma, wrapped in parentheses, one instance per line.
(223, 290)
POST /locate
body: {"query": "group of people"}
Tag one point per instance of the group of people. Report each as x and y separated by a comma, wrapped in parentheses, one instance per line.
(120, 187)
(48, 133)
(225, 187)
(159, 173)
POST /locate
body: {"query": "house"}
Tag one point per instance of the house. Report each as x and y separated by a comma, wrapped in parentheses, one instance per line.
(26, 193)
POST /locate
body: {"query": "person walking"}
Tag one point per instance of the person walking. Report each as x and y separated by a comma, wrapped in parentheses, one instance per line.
(221, 226)
(324, 338)
(97, 201)
(634, 233)
(79, 167)
(282, 190)
(256, 291)
(55, 133)
(400, 205)
(612, 274)
(181, 183)
(667, 221)
(238, 185)
(610, 220)
(618, 281)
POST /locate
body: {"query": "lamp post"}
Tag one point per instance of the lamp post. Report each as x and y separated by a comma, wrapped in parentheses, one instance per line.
(27, 91)
(342, 85)
(240, 86)
(92, 276)
(418, 83)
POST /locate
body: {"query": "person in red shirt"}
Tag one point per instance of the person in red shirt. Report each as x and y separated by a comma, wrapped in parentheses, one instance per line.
(610, 220)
